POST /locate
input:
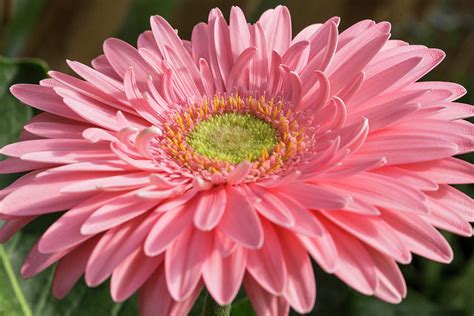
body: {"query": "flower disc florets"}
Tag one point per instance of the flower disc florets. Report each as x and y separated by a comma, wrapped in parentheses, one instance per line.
(215, 135)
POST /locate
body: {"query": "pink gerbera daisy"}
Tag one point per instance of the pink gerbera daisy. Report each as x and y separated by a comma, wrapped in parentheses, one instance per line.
(236, 157)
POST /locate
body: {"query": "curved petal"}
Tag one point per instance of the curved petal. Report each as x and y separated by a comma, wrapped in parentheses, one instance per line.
(240, 221)
(266, 265)
(184, 260)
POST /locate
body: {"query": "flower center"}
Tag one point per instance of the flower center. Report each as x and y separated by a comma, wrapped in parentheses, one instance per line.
(212, 136)
(232, 137)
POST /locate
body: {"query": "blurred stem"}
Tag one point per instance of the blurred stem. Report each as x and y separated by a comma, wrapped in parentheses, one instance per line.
(211, 308)
(5, 262)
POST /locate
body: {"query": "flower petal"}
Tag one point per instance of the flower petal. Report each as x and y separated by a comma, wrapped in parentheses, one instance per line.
(240, 222)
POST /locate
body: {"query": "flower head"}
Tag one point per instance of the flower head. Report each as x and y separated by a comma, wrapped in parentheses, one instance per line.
(236, 157)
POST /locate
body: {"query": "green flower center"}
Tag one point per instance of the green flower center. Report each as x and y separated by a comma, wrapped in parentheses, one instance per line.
(233, 137)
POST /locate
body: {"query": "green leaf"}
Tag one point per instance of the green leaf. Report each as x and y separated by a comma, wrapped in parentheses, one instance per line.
(14, 114)
(242, 308)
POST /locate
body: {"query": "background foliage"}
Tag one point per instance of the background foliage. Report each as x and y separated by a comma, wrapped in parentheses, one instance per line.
(53, 30)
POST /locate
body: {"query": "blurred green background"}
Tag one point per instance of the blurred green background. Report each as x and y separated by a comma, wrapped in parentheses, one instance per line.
(33, 31)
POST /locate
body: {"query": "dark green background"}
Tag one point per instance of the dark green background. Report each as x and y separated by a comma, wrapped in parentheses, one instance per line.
(53, 30)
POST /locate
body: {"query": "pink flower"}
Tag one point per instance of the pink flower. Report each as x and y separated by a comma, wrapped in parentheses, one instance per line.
(236, 157)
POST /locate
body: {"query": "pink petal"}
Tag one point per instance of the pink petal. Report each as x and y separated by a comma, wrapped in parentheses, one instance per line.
(353, 32)
(122, 56)
(306, 33)
(43, 98)
(207, 78)
(96, 112)
(322, 249)
(37, 262)
(21, 148)
(278, 30)
(101, 64)
(200, 42)
(448, 170)
(459, 133)
(455, 201)
(352, 60)
(388, 273)
(14, 165)
(107, 84)
(12, 226)
(383, 75)
(240, 222)
(304, 221)
(168, 228)
(175, 202)
(239, 32)
(138, 101)
(313, 196)
(210, 208)
(114, 213)
(419, 236)
(56, 130)
(118, 182)
(413, 179)
(184, 260)
(88, 89)
(316, 96)
(71, 268)
(239, 173)
(266, 264)
(442, 217)
(382, 191)
(223, 275)
(238, 77)
(454, 111)
(155, 290)
(322, 48)
(221, 43)
(355, 266)
(97, 166)
(373, 231)
(270, 206)
(181, 76)
(132, 273)
(166, 36)
(42, 195)
(115, 246)
(264, 303)
(402, 149)
(296, 56)
(260, 67)
(65, 232)
(225, 246)
(300, 290)
(147, 40)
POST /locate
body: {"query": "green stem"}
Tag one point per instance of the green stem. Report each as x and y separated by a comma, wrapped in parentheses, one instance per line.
(14, 283)
(211, 308)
